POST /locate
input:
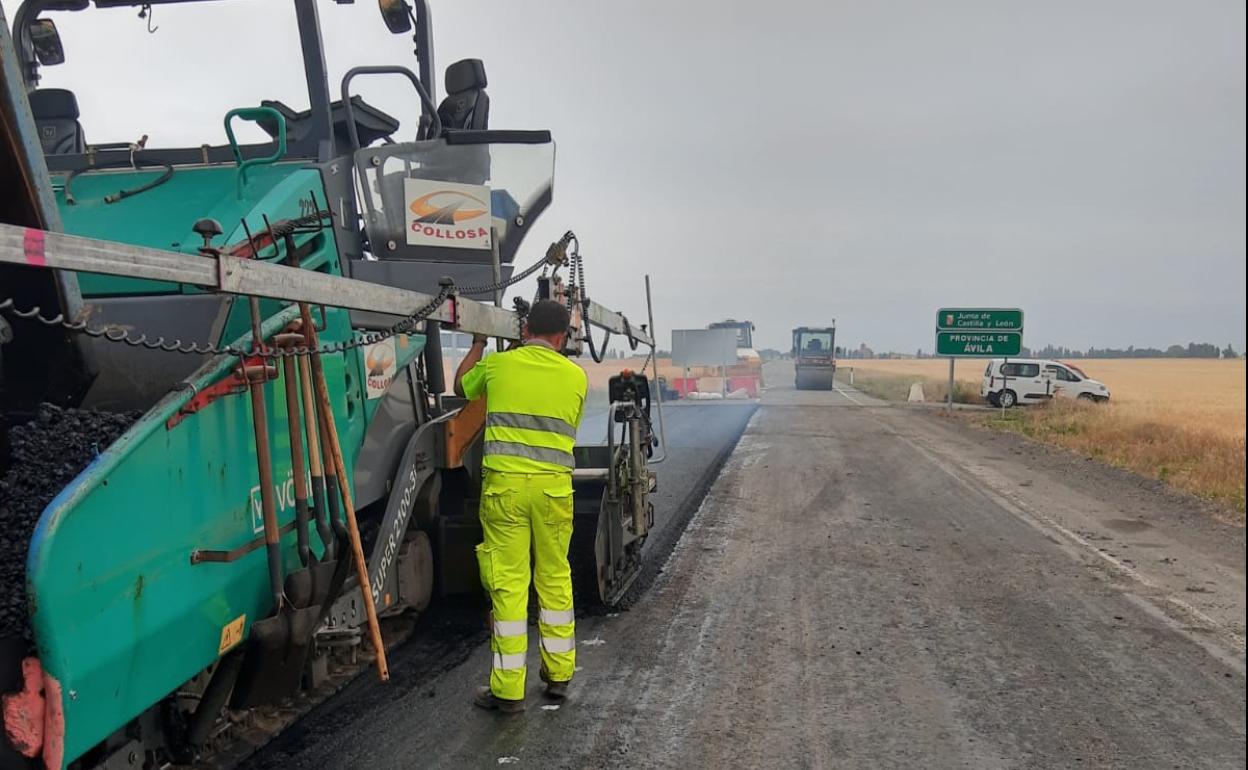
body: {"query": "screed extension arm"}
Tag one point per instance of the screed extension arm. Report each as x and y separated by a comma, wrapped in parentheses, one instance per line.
(237, 275)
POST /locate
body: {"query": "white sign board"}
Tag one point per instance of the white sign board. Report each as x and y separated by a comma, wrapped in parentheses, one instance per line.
(447, 214)
(380, 367)
(704, 347)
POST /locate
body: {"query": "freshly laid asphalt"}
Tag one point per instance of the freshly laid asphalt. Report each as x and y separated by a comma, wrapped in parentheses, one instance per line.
(863, 585)
(437, 671)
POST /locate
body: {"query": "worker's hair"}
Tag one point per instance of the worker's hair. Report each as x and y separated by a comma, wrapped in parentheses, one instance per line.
(548, 317)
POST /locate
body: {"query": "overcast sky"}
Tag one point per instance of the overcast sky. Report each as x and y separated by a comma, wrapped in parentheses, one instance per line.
(798, 162)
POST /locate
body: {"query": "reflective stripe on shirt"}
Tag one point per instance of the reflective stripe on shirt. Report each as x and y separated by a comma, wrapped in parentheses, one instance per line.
(529, 422)
(544, 454)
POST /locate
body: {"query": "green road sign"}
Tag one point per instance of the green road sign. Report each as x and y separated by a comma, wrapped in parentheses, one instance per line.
(970, 332)
(972, 344)
(983, 319)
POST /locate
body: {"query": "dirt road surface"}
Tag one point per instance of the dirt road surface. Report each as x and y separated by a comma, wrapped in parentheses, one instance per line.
(872, 586)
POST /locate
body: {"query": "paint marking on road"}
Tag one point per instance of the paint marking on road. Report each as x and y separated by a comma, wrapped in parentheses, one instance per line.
(846, 395)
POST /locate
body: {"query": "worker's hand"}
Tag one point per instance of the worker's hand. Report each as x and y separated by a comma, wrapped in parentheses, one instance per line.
(480, 339)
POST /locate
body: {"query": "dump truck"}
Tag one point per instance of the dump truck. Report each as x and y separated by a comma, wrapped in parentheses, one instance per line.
(227, 454)
(814, 357)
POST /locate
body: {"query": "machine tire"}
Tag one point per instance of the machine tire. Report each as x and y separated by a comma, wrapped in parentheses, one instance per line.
(1007, 399)
(991, 398)
(416, 571)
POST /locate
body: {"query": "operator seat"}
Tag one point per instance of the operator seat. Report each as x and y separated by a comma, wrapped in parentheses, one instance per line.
(56, 114)
(467, 105)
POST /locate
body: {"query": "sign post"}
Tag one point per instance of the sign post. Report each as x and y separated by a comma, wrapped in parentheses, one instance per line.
(950, 396)
(977, 333)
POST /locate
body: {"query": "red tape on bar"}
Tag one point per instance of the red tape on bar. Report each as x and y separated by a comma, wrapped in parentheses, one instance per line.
(33, 246)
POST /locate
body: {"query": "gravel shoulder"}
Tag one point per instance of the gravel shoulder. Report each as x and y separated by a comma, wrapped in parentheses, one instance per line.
(1184, 554)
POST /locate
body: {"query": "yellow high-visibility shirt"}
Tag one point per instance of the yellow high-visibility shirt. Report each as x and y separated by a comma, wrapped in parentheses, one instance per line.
(534, 398)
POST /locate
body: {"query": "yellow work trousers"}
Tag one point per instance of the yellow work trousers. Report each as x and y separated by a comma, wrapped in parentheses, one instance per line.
(525, 514)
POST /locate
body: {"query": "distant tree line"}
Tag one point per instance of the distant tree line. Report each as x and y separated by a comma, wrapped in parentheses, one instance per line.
(862, 351)
(1191, 350)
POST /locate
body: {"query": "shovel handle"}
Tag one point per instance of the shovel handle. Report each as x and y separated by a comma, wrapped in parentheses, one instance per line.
(291, 382)
(309, 417)
(312, 430)
(344, 488)
(264, 464)
(272, 534)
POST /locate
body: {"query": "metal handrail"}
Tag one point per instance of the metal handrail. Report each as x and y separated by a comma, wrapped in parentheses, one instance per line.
(378, 69)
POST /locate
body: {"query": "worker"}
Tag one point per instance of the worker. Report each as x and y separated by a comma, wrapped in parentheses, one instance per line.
(534, 398)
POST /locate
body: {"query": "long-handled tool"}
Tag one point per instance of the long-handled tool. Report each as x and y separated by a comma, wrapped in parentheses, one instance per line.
(331, 527)
(344, 489)
(307, 586)
(278, 651)
(312, 428)
(330, 572)
(332, 498)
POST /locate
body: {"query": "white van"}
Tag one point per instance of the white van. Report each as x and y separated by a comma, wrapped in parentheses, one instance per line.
(1010, 381)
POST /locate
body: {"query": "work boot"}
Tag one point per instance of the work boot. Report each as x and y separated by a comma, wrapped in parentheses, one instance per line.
(491, 702)
(558, 690)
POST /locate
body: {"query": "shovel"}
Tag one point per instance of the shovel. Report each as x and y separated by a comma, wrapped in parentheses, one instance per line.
(329, 524)
(312, 428)
(339, 468)
(306, 586)
(278, 649)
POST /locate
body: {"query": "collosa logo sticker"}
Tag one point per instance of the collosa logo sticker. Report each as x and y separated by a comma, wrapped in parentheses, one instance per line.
(447, 214)
(379, 361)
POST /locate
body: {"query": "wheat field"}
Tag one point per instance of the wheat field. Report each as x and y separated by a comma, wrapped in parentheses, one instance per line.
(1179, 420)
(1197, 393)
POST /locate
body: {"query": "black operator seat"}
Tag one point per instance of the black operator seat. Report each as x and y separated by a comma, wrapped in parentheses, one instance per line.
(56, 114)
(467, 105)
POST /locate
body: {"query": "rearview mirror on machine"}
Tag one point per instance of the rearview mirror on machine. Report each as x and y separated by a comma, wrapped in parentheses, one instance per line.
(397, 15)
(46, 42)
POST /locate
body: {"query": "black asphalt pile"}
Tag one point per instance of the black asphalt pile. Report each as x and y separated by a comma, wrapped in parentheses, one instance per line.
(46, 453)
